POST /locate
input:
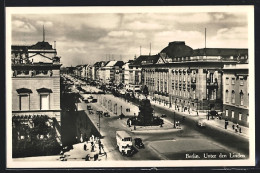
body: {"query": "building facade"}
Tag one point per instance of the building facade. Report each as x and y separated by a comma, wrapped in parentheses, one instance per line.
(236, 93)
(189, 80)
(36, 84)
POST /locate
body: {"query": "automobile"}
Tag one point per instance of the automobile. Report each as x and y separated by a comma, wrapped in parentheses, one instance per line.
(89, 107)
(163, 116)
(201, 122)
(139, 143)
(106, 114)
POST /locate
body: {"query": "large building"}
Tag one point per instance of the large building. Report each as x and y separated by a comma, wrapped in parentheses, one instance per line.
(236, 93)
(190, 80)
(109, 73)
(136, 76)
(36, 80)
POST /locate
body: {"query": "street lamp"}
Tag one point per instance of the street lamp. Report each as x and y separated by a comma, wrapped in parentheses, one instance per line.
(174, 126)
(99, 124)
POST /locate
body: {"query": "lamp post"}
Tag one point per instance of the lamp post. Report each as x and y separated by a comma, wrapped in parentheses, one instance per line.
(174, 123)
(99, 124)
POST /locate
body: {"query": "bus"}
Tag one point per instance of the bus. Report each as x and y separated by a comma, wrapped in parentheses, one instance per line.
(124, 143)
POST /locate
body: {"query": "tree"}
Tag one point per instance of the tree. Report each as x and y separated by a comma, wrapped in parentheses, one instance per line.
(145, 91)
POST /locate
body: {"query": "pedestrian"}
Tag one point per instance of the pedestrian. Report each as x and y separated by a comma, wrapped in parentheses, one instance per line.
(92, 146)
(85, 146)
(240, 130)
(226, 123)
(233, 127)
(95, 157)
(87, 158)
(81, 138)
(197, 113)
(99, 146)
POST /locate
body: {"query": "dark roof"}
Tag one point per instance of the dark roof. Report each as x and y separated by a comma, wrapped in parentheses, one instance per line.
(177, 49)
(23, 90)
(148, 58)
(98, 64)
(19, 48)
(119, 63)
(41, 45)
(219, 52)
(44, 90)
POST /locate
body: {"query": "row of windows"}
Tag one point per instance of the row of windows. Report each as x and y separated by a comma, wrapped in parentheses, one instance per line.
(233, 115)
(233, 80)
(233, 96)
(24, 102)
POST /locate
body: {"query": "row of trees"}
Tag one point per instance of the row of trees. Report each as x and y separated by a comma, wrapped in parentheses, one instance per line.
(34, 141)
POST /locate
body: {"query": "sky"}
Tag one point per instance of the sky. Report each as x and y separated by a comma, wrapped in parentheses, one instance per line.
(90, 37)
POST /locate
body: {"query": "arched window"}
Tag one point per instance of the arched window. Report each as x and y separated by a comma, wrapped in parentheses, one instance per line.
(241, 98)
(24, 98)
(227, 96)
(233, 97)
(44, 98)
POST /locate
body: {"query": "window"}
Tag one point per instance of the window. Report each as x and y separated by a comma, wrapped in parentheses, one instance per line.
(226, 96)
(226, 112)
(233, 81)
(241, 98)
(211, 77)
(44, 102)
(24, 98)
(247, 118)
(233, 97)
(241, 81)
(232, 114)
(173, 84)
(165, 86)
(44, 98)
(239, 116)
(227, 81)
(24, 102)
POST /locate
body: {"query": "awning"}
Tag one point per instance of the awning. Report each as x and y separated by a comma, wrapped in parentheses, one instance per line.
(24, 90)
(44, 90)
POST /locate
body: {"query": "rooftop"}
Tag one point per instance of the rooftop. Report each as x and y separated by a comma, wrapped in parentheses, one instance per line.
(219, 52)
(145, 58)
(177, 49)
(41, 45)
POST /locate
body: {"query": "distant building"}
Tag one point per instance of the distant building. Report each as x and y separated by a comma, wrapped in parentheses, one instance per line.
(236, 93)
(126, 71)
(110, 72)
(36, 80)
(136, 76)
(189, 79)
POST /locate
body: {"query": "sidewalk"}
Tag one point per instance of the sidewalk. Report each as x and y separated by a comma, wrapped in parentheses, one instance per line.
(78, 152)
(167, 126)
(211, 122)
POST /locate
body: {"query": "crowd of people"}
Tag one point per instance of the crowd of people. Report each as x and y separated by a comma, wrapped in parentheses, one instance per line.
(90, 146)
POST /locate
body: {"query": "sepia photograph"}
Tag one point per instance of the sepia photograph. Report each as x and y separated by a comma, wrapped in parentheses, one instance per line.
(162, 86)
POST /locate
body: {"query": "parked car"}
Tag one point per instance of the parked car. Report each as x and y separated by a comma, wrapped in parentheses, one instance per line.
(106, 114)
(89, 107)
(201, 122)
(139, 143)
(163, 116)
